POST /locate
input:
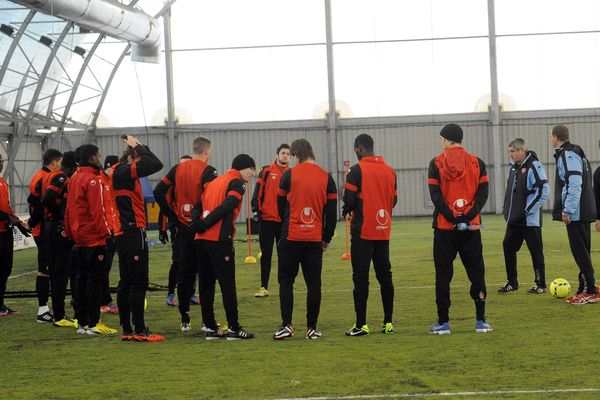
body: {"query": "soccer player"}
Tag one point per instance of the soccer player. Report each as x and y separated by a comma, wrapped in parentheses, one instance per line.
(526, 191)
(370, 196)
(575, 206)
(172, 225)
(7, 220)
(214, 220)
(264, 206)
(458, 185)
(51, 161)
(108, 305)
(130, 233)
(597, 196)
(188, 180)
(86, 225)
(307, 203)
(54, 186)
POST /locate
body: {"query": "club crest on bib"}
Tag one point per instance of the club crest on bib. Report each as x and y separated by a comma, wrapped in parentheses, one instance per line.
(186, 210)
(459, 206)
(307, 215)
(383, 218)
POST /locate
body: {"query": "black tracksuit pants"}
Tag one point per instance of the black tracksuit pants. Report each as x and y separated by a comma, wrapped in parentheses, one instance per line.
(188, 268)
(513, 240)
(111, 248)
(269, 233)
(59, 259)
(217, 262)
(446, 245)
(291, 255)
(90, 275)
(175, 260)
(132, 248)
(363, 251)
(580, 242)
(6, 260)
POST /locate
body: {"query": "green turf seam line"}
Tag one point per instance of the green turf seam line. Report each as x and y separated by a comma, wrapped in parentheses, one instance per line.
(445, 394)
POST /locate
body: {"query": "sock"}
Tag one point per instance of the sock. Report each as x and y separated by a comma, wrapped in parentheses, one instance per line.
(43, 309)
(42, 287)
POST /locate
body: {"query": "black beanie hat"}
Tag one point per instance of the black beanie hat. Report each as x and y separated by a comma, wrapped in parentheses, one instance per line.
(68, 159)
(452, 132)
(109, 161)
(242, 161)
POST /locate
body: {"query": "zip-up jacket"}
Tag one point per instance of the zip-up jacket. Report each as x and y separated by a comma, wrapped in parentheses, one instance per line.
(370, 195)
(597, 192)
(307, 203)
(188, 180)
(54, 187)
(36, 208)
(573, 191)
(221, 205)
(527, 190)
(264, 198)
(85, 218)
(130, 209)
(6, 212)
(110, 211)
(458, 186)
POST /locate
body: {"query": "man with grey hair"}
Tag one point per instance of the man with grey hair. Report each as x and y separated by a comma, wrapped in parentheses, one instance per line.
(527, 190)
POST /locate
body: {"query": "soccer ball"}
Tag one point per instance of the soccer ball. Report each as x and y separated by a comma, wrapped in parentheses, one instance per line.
(560, 288)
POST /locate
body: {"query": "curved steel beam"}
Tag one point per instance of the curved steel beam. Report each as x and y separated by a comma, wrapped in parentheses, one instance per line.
(31, 110)
(14, 44)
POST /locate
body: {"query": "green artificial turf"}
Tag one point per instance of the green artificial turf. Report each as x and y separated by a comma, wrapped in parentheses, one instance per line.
(538, 342)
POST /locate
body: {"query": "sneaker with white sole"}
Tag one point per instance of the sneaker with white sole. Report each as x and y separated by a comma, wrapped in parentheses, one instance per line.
(482, 327)
(355, 331)
(284, 332)
(262, 292)
(312, 334)
(535, 289)
(239, 334)
(440, 329)
(82, 330)
(214, 334)
(508, 288)
(45, 318)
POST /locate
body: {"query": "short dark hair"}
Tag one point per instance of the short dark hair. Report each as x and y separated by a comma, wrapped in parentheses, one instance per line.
(302, 149)
(200, 144)
(51, 155)
(561, 133)
(86, 152)
(282, 146)
(365, 141)
(129, 152)
(185, 157)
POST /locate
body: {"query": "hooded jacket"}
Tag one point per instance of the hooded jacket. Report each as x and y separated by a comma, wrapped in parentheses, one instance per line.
(527, 190)
(85, 217)
(458, 185)
(573, 192)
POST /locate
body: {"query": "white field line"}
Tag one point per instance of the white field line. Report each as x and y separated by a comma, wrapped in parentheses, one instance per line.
(446, 394)
(23, 274)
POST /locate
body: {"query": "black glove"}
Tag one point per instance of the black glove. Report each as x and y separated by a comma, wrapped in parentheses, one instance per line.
(199, 226)
(23, 231)
(163, 237)
(111, 244)
(256, 216)
(345, 212)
